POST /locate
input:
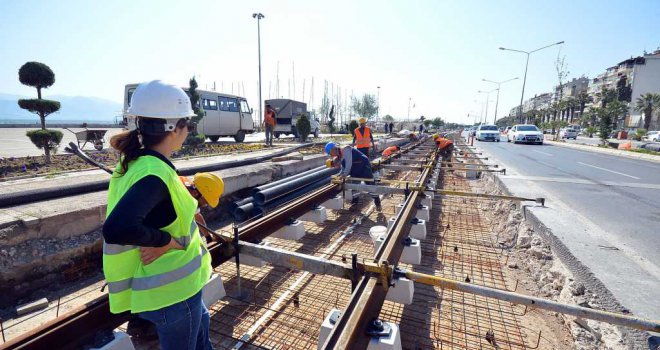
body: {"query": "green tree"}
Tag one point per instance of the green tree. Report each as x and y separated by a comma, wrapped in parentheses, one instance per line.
(437, 122)
(303, 127)
(352, 126)
(388, 118)
(647, 103)
(366, 106)
(606, 96)
(194, 138)
(331, 120)
(40, 76)
(427, 122)
(582, 99)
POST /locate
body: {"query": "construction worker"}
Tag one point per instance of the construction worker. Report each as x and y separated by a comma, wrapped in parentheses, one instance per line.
(353, 163)
(207, 188)
(154, 259)
(362, 137)
(412, 136)
(389, 150)
(446, 147)
(269, 124)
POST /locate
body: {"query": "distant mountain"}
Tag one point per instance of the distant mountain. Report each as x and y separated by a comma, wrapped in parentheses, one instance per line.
(79, 108)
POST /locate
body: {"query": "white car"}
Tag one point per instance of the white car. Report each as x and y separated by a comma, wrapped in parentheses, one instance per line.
(569, 133)
(488, 132)
(525, 133)
(652, 136)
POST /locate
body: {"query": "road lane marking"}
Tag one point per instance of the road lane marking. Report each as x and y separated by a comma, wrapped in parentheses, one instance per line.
(611, 171)
(547, 154)
(584, 182)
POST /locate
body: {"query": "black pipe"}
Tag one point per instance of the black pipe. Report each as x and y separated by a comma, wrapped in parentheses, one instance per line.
(286, 179)
(234, 205)
(260, 210)
(268, 195)
(243, 212)
(31, 196)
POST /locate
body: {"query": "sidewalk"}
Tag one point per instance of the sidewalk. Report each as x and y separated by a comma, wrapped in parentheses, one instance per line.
(610, 151)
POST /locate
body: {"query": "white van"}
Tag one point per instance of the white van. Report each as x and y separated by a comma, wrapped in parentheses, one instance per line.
(226, 115)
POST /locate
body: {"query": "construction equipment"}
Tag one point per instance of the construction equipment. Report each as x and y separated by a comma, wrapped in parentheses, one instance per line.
(95, 137)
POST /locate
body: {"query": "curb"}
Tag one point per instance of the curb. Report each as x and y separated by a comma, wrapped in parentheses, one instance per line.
(613, 152)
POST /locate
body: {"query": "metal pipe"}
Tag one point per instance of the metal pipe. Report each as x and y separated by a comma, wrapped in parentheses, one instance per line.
(268, 195)
(286, 179)
(243, 212)
(262, 209)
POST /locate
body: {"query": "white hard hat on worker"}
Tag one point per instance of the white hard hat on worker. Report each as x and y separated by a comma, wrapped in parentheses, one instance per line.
(158, 100)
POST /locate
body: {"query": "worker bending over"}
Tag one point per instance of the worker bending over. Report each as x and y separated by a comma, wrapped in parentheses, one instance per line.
(389, 150)
(353, 163)
(362, 138)
(207, 188)
(445, 146)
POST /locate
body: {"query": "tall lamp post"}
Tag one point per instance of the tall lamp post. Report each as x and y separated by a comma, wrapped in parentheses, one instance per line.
(487, 98)
(497, 101)
(259, 16)
(522, 95)
(378, 107)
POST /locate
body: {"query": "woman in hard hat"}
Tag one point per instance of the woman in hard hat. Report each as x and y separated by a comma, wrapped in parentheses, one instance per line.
(353, 163)
(154, 260)
(362, 137)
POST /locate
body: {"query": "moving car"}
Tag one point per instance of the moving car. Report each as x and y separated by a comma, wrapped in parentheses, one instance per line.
(652, 136)
(569, 133)
(525, 133)
(488, 132)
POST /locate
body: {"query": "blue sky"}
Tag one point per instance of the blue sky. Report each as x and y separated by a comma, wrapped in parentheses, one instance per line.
(434, 52)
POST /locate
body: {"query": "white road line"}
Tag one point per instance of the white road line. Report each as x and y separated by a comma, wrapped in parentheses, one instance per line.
(611, 171)
(575, 181)
(547, 154)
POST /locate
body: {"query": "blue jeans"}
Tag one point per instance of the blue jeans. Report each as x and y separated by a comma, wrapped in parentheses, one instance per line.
(184, 325)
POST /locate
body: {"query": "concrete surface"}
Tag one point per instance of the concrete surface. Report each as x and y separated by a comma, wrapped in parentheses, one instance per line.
(14, 143)
(605, 209)
(610, 151)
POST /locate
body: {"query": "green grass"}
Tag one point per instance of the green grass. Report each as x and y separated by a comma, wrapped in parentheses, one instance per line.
(645, 151)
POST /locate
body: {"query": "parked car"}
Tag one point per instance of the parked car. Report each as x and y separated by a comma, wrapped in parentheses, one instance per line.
(525, 133)
(568, 133)
(487, 132)
(652, 136)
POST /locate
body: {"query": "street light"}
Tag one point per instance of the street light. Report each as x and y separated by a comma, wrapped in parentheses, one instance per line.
(259, 16)
(497, 101)
(378, 107)
(487, 98)
(522, 95)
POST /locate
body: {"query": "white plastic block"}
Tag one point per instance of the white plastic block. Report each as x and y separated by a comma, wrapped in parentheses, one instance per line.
(418, 229)
(402, 292)
(336, 203)
(213, 291)
(431, 194)
(327, 326)
(412, 254)
(121, 342)
(377, 231)
(391, 342)
(317, 215)
(423, 213)
(378, 242)
(471, 173)
(427, 201)
(292, 232)
(250, 260)
(348, 195)
(390, 222)
(398, 208)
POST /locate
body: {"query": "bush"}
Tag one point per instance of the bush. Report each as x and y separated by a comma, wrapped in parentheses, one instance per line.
(639, 133)
(352, 126)
(195, 140)
(41, 107)
(304, 127)
(45, 137)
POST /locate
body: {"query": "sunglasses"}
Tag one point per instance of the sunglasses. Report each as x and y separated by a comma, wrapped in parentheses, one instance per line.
(188, 123)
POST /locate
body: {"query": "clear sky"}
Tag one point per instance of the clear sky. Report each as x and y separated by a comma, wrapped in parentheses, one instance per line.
(433, 52)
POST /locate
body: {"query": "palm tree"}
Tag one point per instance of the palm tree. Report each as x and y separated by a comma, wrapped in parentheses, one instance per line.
(571, 104)
(582, 99)
(606, 96)
(647, 103)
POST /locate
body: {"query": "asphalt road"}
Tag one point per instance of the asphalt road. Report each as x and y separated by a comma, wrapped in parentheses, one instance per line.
(614, 199)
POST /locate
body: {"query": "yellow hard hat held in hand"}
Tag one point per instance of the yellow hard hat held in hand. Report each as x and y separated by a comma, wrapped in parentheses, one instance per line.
(210, 186)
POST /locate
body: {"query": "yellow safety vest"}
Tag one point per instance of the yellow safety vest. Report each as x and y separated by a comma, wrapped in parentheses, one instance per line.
(176, 275)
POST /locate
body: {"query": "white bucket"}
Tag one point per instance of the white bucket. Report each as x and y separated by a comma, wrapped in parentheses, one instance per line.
(377, 231)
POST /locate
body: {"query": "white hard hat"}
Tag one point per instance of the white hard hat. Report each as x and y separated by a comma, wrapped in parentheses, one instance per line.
(156, 99)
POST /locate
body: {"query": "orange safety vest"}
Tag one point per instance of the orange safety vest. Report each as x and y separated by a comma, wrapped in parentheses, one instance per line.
(362, 141)
(443, 142)
(388, 151)
(269, 118)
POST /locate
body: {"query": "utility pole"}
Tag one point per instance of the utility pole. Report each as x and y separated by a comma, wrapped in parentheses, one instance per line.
(259, 16)
(378, 107)
(409, 99)
(497, 101)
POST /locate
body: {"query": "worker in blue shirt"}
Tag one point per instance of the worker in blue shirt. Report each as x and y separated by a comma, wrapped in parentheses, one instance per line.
(353, 163)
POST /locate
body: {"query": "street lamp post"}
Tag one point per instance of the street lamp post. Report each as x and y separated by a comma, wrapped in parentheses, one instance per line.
(522, 95)
(487, 98)
(378, 107)
(259, 16)
(497, 101)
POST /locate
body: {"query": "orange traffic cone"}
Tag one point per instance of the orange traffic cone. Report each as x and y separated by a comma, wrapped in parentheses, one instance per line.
(626, 145)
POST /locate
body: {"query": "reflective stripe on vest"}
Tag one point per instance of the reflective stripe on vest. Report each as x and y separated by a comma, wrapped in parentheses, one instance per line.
(362, 141)
(155, 281)
(112, 249)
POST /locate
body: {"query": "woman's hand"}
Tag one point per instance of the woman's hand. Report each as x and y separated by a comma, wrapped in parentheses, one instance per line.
(149, 254)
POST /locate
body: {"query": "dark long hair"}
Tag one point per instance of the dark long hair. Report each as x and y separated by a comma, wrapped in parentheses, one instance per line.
(129, 146)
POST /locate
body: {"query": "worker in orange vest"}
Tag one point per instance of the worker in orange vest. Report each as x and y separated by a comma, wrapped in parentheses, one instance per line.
(362, 137)
(269, 124)
(389, 150)
(446, 147)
